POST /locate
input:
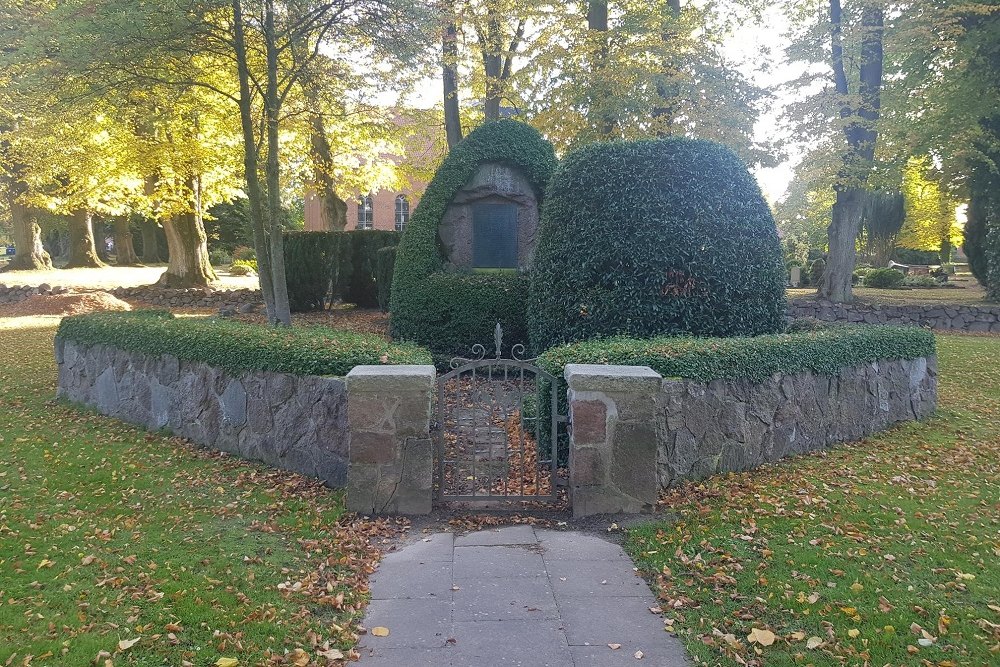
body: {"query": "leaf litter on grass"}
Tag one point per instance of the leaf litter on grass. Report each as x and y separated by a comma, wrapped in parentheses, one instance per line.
(875, 553)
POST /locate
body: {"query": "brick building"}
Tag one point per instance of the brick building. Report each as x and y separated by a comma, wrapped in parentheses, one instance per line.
(387, 209)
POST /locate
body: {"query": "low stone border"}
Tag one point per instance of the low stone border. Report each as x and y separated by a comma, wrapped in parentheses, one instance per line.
(18, 293)
(944, 317)
(296, 423)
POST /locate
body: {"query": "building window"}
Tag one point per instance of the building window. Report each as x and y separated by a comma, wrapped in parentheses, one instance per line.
(402, 212)
(366, 218)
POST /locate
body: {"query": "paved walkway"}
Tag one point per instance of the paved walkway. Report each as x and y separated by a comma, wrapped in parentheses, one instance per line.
(514, 596)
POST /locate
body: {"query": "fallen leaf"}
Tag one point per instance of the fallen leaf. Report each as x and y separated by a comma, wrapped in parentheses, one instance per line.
(614, 647)
(813, 642)
(379, 631)
(853, 632)
(638, 655)
(126, 644)
(227, 662)
(762, 637)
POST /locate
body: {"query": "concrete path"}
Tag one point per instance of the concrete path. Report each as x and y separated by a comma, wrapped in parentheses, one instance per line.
(514, 596)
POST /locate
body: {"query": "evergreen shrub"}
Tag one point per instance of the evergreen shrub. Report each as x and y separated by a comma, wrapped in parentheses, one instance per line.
(884, 278)
(236, 346)
(451, 311)
(655, 237)
(384, 264)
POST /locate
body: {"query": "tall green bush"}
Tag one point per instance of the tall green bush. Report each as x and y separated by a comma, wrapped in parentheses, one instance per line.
(323, 266)
(451, 311)
(384, 264)
(655, 237)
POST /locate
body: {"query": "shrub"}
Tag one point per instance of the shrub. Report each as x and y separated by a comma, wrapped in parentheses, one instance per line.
(244, 253)
(651, 237)
(920, 257)
(427, 305)
(384, 264)
(825, 350)
(243, 267)
(219, 257)
(323, 266)
(858, 277)
(816, 271)
(235, 346)
(885, 278)
(920, 281)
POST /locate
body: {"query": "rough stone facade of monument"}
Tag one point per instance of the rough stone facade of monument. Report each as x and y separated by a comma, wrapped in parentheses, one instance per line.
(296, 423)
(493, 183)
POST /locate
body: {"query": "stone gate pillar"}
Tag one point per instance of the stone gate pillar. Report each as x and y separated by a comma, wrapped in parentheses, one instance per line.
(612, 454)
(391, 455)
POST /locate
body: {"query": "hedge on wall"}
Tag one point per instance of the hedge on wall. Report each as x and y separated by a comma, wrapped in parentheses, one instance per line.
(655, 237)
(824, 351)
(235, 346)
(429, 306)
(322, 266)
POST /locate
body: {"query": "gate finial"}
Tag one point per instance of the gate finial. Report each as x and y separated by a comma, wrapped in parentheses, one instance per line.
(498, 338)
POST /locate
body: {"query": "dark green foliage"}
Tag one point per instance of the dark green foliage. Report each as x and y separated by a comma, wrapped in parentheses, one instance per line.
(909, 256)
(323, 266)
(884, 278)
(357, 279)
(228, 225)
(816, 271)
(882, 219)
(384, 264)
(220, 257)
(420, 314)
(235, 346)
(982, 243)
(462, 309)
(824, 350)
(654, 237)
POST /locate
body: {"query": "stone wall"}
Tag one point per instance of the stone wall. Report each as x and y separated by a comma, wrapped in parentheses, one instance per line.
(945, 317)
(732, 425)
(152, 295)
(297, 423)
(194, 297)
(18, 293)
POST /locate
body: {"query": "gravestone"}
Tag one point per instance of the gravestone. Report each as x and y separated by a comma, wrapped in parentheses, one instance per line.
(492, 223)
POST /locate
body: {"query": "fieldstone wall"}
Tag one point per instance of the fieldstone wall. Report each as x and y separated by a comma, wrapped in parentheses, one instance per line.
(296, 423)
(943, 317)
(194, 297)
(732, 425)
(18, 293)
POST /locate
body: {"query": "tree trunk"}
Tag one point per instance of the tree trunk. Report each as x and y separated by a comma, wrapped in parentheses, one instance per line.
(187, 244)
(82, 251)
(491, 66)
(282, 312)
(124, 248)
(843, 235)
(597, 26)
(100, 239)
(333, 209)
(664, 113)
(449, 71)
(150, 242)
(250, 158)
(946, 249)
(861, 133)
(31, 255)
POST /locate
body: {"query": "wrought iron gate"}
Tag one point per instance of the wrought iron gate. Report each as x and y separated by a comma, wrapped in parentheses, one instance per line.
(497, 429)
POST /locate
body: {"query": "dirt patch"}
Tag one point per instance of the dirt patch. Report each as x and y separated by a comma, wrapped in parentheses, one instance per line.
(65, 304)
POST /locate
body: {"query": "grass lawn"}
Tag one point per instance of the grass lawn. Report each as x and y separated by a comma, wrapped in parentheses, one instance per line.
(110, 535)
(883, 552)
(970, 292)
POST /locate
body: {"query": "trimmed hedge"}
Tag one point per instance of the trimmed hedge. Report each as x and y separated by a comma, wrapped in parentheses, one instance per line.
(235, 346)
(429, 306)
(655, 237)
(756, 358)
(384, 264)
(323, 266)
(885, 278)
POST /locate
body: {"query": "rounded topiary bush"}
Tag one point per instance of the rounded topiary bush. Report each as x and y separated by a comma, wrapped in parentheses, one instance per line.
(655, 237)
(451, 311)
(885, 278)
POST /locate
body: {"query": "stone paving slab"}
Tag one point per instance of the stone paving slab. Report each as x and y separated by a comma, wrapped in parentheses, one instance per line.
(514, 597)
